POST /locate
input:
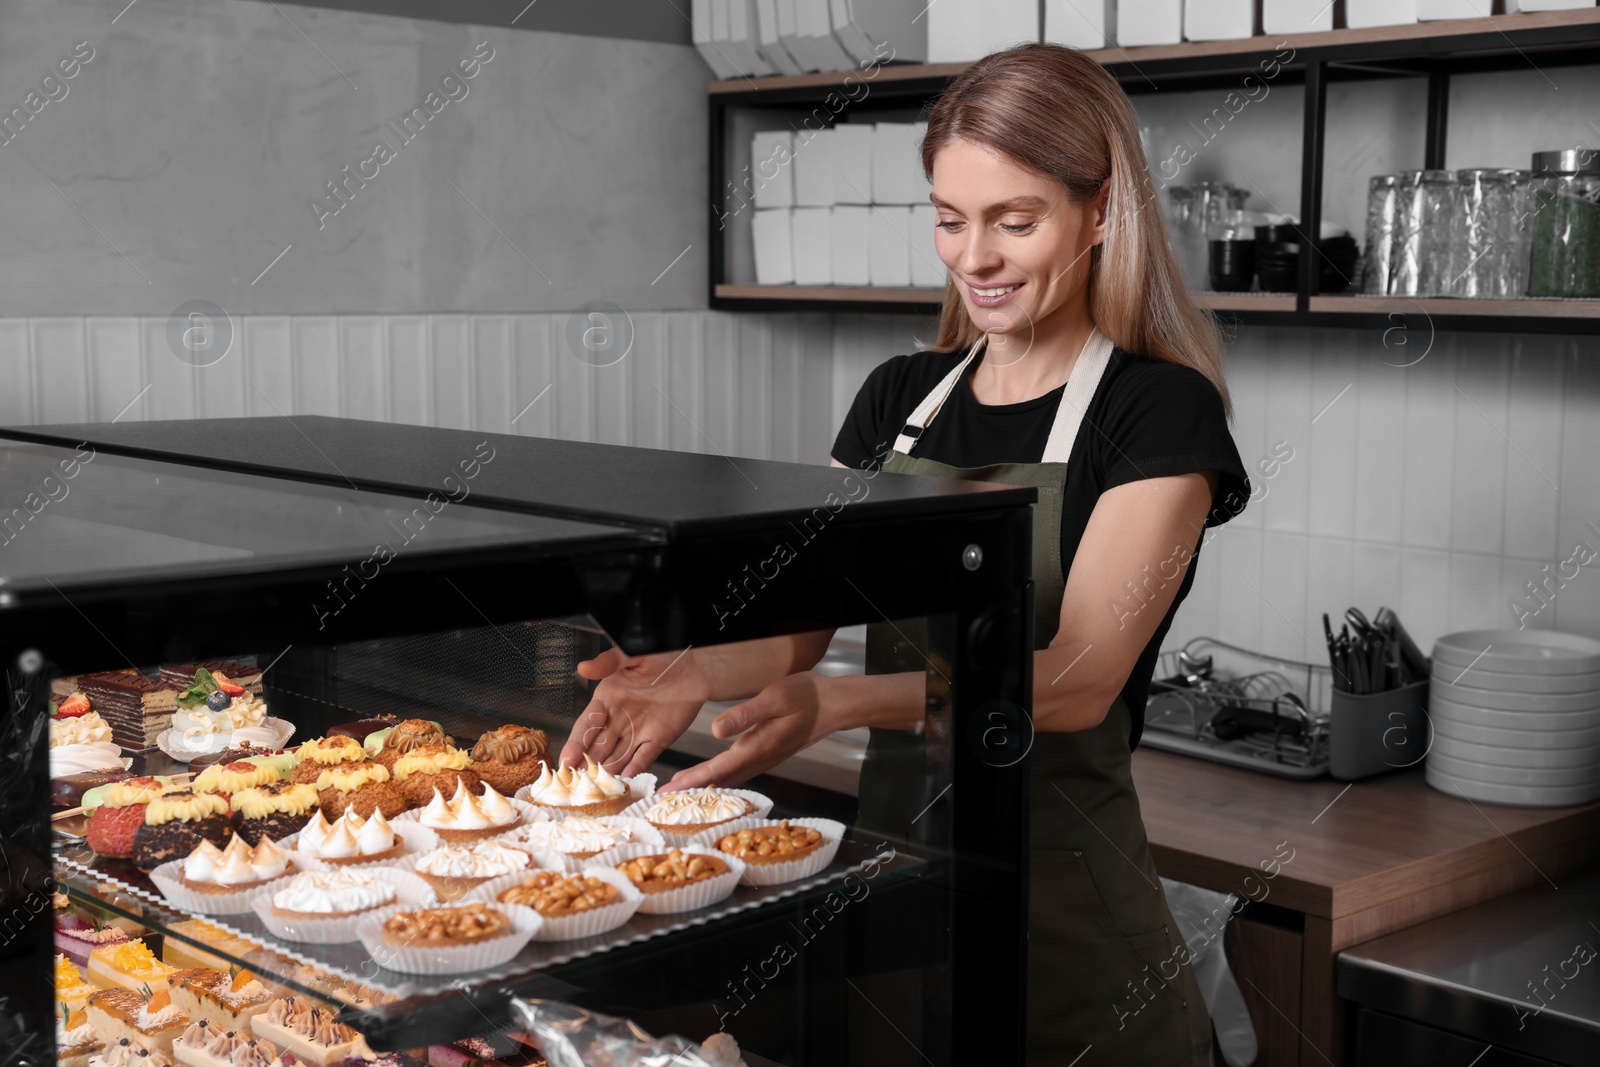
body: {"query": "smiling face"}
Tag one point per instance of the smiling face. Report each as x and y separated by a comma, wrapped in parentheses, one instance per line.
(1015, 243)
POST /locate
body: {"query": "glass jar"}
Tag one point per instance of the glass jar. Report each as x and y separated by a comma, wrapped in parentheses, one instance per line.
(1484, 250)
(1517, 229)
(1195, 210)
(1383, 215)
(1564, 240)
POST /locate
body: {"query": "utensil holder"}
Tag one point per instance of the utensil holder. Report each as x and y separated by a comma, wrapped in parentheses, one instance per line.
(1379, 732)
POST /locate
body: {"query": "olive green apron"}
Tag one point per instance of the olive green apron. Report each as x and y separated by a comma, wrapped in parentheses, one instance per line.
(1105, 969)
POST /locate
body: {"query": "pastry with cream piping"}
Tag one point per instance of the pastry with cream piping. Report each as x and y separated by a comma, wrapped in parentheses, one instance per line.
(273, 811)
(349, 839)
(76, 1040)
(116, 1014)
(330, 894)
(361, 787)
(694, 810)
(319, 754)
(430, 768)
(592, 790)
(205, 1043)
(229, 1000)
(233, 869)
(230, 778)
(176, 823)
(455, 870)
(465, 817)
(310, 1033)
(117, 818)
(407, 735)
(126, 1053)
(510, 757)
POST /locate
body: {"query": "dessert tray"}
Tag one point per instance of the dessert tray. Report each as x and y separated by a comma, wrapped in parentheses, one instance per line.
(351, 961)
(170, 741)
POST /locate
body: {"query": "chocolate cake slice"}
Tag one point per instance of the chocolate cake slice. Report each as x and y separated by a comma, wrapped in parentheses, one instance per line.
(180, 676)
(137, 708)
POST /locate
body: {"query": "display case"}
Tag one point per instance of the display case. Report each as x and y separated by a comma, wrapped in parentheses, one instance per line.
(366, 569)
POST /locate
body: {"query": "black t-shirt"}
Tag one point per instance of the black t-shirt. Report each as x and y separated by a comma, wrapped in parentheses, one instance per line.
(1147, 419)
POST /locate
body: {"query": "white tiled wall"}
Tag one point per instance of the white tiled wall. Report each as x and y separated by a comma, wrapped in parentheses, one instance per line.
(1437, 489)
(694, 380)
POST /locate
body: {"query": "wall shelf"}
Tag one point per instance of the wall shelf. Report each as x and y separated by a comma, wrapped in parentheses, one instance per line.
(1434, 50)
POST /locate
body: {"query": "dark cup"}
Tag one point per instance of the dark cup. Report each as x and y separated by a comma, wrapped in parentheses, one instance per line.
(1233, 265)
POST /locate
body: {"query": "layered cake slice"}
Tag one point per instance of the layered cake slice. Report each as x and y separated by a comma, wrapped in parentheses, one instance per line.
(71, 990)
(130, 965)
(230, 1001)
(310, 1033)
(181, 675)
(137, 708)
(127, 1053)
(116, 1014)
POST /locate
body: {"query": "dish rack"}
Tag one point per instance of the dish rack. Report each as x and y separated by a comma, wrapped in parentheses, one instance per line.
(1244, 708)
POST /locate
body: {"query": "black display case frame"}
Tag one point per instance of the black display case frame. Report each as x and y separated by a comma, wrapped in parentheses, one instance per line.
(657, 529)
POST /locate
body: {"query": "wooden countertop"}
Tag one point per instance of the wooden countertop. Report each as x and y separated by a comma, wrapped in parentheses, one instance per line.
(1381, 841)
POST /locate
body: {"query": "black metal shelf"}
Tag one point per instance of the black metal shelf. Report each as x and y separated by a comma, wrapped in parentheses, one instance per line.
(1433, 50)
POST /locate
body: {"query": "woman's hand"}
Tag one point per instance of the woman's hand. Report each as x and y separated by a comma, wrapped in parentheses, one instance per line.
(773, 725)
(641, 706)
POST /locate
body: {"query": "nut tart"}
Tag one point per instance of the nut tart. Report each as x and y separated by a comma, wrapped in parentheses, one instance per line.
(150, 1022)
(207, 1044)
(319, 754)
(466, 817)
(688, 812)
(229, 1000)
(590, 790)
(130, 965)
(308, 1032)
(676, 879)
(450, 939)
(76, 1040)
(592, 901)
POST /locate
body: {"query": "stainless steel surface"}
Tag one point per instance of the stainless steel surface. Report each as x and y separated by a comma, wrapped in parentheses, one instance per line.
(1520, 972)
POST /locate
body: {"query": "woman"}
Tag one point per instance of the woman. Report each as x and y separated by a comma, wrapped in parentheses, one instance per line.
(1069, 358)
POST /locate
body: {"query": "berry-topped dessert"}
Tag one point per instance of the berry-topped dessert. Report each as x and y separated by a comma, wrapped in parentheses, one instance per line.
(136, 707)
(215, 711)
(80, 740)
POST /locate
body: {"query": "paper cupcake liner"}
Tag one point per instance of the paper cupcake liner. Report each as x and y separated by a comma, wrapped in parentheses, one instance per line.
(529, 813)
(763, 805)
(640, 787)
(409, 890)
(452, 959)
(642, 831)
(168, 879)
(414, 838)
(571, 927)
(787, 870)
(689, 897)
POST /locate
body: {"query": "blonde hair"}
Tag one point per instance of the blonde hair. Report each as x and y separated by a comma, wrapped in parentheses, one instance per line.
(1057, 112)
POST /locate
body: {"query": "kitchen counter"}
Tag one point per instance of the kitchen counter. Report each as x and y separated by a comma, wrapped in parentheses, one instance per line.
(1348, 862)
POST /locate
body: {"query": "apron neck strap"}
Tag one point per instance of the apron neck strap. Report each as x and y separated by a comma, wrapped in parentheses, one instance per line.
(1085, 378)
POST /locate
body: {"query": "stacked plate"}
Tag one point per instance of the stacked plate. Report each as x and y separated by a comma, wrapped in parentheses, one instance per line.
(1516, 717)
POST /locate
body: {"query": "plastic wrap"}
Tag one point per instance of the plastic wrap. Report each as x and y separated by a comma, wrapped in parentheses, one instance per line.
(1197, 911)
(575, 1037)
